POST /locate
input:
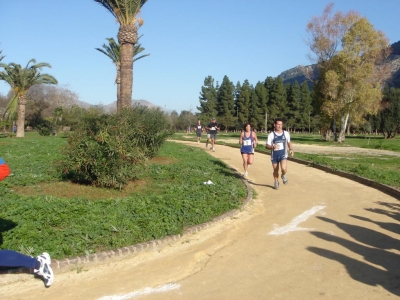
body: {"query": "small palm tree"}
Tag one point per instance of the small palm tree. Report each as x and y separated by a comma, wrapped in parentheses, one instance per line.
(113, 51)
(126, 12)
(20, 80)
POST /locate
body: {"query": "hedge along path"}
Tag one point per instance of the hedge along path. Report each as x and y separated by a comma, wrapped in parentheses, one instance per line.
(322, 235)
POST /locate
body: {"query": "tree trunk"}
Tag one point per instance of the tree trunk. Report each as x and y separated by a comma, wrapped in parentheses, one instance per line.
(328, 134)
(126, 75)
(21, 116)
(127, 37)
(343, 125)
(118, 83)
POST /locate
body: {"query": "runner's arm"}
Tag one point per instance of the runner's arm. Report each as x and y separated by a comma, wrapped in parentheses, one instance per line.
(241, 138)
(255, 139)
(291, 152)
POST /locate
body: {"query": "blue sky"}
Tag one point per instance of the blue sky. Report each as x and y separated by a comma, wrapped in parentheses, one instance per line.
(188, 40)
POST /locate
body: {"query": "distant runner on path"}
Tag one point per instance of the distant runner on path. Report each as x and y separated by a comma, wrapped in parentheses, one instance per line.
(278, 142)
(248, 140)
(213, 127)
(199, 129)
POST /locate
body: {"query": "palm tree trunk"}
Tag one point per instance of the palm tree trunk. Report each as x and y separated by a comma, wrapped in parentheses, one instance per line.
(118, 83)
(126, 75)
(127, 37)
(21, 116)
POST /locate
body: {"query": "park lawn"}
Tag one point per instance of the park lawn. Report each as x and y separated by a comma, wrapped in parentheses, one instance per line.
(40, 212)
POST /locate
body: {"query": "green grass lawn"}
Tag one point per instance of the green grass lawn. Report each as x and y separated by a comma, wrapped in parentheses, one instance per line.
(39, 212)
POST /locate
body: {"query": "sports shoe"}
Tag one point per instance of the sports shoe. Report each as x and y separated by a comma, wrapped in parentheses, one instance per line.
(213, 149)
(198, 142)
(284, 179)
(45, 270)
(245, 174)
(276, 185)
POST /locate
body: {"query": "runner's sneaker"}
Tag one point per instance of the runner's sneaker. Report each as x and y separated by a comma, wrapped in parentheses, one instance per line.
(45, 270)
(213, 149)
(245, 174)
(198, 142)
(276, 185)
(284, 179)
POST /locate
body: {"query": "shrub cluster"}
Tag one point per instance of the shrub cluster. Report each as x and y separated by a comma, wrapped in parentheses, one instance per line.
(108, 150)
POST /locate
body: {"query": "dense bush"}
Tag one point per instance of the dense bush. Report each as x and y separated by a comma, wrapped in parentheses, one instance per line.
(108, 151)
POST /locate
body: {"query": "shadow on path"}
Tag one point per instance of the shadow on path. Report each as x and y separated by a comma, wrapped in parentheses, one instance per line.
(373, 246)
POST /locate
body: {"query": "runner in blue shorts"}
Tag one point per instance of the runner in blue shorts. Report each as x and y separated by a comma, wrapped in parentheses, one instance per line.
(248, 140)
(279, 142)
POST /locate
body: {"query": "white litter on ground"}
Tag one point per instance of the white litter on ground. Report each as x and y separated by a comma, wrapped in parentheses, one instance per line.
(145, 291)
(292, 226)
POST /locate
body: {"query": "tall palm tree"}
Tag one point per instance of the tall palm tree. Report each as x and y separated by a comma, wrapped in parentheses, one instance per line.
(113, 51)
(20, 80)
(126, 12)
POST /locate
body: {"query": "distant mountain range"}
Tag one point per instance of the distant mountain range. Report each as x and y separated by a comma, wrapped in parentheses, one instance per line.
(112, 107)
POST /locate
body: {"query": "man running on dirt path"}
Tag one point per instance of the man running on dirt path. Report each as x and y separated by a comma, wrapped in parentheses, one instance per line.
(278, 142)
(213, 127)
(199, 129)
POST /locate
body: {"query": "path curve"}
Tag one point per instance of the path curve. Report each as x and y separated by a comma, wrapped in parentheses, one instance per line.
(320, 236)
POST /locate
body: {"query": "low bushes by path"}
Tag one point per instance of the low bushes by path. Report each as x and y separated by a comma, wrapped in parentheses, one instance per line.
(170, 196)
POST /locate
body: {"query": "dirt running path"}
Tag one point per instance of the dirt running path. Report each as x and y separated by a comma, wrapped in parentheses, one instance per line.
(319, 237)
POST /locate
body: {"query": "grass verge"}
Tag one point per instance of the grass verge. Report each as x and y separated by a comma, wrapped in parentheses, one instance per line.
(41, 213)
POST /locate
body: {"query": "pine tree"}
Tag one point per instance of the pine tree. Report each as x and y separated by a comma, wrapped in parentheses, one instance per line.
(208, 100)
(306, 108)
(277, 103)
(260, 98)
(243, 102)
(226, 103)
(294, 103)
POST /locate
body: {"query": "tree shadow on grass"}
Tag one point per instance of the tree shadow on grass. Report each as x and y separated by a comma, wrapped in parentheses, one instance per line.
(5, 225)
(373, 246)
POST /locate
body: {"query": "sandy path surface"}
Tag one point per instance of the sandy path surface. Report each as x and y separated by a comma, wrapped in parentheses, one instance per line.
(319, 237)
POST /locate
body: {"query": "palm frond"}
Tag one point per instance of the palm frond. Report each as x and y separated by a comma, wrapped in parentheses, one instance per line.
(125, 11)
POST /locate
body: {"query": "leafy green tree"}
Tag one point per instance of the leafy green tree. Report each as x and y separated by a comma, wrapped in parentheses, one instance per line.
(126, 13)
(208, 99)
(226, 103)
(113, 51)
(20, 80)
(347, 85)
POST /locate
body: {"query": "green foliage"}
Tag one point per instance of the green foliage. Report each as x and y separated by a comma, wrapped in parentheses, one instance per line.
(108, 151)
(44, 128)
(173, 198)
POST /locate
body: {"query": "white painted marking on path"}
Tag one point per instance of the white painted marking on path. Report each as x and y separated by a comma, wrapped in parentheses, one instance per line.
(292, 226)
(145, 291)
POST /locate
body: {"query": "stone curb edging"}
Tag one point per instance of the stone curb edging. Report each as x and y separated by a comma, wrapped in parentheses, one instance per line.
(64, 265)
(365, 181)
(391, 191)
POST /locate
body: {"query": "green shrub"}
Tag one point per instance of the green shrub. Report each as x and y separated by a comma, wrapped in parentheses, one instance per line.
(108, 151)
(44, 128)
